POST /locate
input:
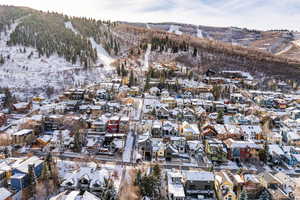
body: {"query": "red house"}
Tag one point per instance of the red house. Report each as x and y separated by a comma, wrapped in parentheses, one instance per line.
(113, 124)
(242, 150)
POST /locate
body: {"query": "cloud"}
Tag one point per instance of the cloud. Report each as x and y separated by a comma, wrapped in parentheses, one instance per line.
(258, 14)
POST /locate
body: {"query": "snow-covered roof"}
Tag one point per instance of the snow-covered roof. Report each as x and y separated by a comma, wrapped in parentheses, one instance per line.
(4, 193)
(23, 132)
(199, 176)
(21, 105)
(241, 144)
(275, 148)
(176, 189)
(23, 166)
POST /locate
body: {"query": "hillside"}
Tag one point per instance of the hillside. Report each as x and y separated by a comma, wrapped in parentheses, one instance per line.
(202, 53)
(40, 50)
(273, 41)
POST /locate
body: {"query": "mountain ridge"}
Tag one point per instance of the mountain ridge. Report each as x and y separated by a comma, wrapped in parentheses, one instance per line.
(199, 47)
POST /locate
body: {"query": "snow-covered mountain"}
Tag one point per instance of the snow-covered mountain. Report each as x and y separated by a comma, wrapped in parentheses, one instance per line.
(41, 50)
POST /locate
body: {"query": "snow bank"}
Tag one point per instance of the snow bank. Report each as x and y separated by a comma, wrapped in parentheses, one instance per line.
(128, 148)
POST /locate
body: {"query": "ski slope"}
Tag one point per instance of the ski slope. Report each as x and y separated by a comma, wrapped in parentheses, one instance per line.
(103, 57)
(175, 29)
(69, 25)
(199, 33)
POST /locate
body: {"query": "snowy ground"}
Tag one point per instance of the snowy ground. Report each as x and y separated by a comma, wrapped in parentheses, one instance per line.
(146, 58)
(103, 57)
(128, 148)
(175, 29)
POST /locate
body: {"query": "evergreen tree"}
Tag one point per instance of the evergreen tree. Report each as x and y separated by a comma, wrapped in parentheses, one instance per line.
(147, 83)
(195, 52)
(156, 171)
(243, 195)
(131, 79)
(2, 60)
(108, 192)
(118, 70)
(264, 196)
(138, 178)
(32, 180)
(149, 186)
(216, 91)
(220, 118)
(77, 141)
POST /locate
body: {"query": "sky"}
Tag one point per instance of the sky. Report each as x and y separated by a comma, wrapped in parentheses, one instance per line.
(253, 14)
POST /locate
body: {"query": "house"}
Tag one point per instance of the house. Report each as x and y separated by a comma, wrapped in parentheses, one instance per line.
(216, 150)
(20, 177)
(170, 101)
(208, 131)
(75, 94)
(22, 107)
(52, 122)
(273, 186)
(195, 149)
(99, 126)
(171, 152)
(227, 131)
(188, 114)
(150, 105)
(145, 146)
(179, 143)
(175, 187)
(85, 179)
(124, 124)
(113, 124)
(237, 98)
(242, 150)
(199, 184)
(252, 185)
(190, 131)
(291, 137)
(93, 110)
(5, 194)
(288, 184)
(103, 94)
(154, 91)
(23, 137)
(156, 129)
(275, 153)
(296, 114)
(134, 91)
(162, 112)
(169, 129)
(224, 186)
(251, 132)
(158, 149)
